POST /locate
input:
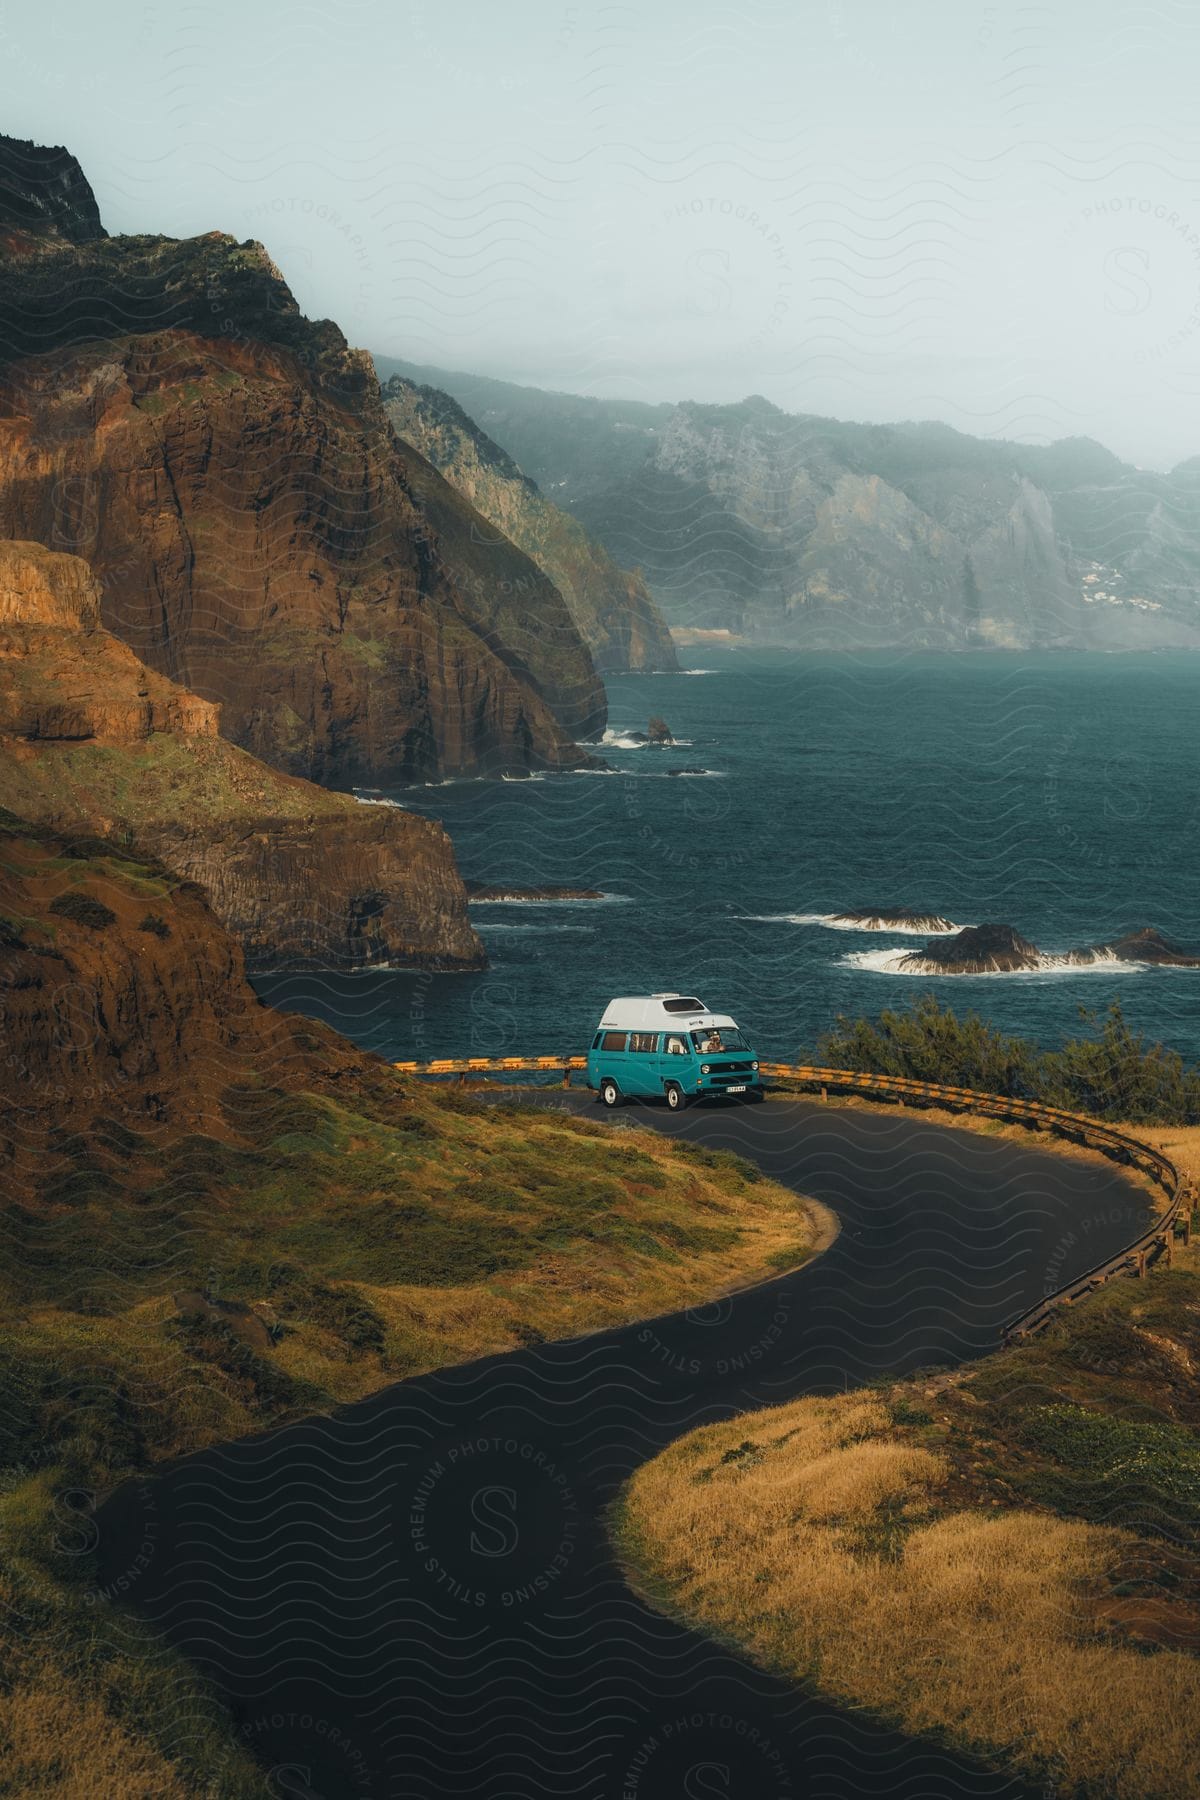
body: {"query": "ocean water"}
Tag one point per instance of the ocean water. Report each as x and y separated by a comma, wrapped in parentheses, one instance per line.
(1055, 793)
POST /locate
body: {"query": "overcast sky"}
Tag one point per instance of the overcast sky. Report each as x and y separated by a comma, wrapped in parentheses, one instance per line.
(988, 214)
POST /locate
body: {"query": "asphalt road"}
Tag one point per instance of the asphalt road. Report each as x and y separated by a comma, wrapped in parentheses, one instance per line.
(417, 1598)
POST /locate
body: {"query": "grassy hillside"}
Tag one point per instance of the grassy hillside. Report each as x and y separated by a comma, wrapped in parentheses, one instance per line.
(1008, 1557)
(216, 1219)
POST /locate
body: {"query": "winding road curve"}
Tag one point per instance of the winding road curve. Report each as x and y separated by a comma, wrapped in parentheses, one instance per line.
(416, 1598)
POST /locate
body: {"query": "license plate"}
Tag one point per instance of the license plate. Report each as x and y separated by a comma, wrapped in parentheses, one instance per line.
(740, 1089)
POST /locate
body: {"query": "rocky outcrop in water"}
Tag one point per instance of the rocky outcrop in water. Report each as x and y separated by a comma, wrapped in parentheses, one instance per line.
(874, 919)
(976, 950)
(1000, 949)
(611, 607)
(260, 535)
(1143, 945)
(90, 739)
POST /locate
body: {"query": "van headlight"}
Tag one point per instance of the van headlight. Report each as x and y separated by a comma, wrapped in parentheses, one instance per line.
(754, 1065)
(705, 1068)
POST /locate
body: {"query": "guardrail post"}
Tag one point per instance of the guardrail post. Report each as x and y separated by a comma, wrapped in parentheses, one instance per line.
(1187, 1222)
(1169, 1243)
(1141, 1264)
(824, 1093)
(566, 1078)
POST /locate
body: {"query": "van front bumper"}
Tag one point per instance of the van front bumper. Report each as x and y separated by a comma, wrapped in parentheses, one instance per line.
(721, 1084)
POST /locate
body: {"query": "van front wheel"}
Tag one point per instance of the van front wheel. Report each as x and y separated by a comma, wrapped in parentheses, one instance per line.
(610, 1093)
(676, 1098)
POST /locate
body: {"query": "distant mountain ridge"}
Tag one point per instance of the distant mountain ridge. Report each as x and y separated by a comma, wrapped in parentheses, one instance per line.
(799, 529)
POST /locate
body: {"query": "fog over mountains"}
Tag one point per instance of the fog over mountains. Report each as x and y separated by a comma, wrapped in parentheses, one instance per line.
(812, 531)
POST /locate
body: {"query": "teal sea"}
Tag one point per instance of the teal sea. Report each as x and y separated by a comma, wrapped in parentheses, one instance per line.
(1055, 793)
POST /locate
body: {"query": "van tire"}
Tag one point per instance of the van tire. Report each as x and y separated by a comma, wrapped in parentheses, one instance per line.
(610, 1093)
(676, 1098)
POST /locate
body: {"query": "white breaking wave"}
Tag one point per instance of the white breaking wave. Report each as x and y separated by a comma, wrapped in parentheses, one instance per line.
(624, 740)
(523, 900)
(491, 925)
(378, 800)
(837, 922)
(892, 962)
(657, 774)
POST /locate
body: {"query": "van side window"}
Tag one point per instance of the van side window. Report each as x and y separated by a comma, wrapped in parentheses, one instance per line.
(643, 1041)
(676, 1047)
(613, 1040)
(598, 1040)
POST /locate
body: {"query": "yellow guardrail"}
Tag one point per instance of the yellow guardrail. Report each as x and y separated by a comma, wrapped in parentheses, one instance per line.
(1122, 1146)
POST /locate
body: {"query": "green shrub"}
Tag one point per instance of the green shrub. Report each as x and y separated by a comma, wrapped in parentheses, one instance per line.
(905, 1413)
(1112, 1074)
(155, 923)
(1119, 1471)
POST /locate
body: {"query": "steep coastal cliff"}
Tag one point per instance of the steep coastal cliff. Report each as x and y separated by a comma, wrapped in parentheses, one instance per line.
(610, 606)
(226, 467)
(92, 739)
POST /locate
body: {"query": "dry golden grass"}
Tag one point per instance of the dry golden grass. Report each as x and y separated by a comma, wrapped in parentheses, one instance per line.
(811, 1535)
(597, 1226)
(1180, 1142)
(53, 1743)
(584, 1286)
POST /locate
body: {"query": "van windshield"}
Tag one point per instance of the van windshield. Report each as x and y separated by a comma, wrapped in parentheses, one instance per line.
(719, 1038)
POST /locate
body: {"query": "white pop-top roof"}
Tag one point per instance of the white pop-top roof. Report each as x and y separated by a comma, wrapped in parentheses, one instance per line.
(659, 1012)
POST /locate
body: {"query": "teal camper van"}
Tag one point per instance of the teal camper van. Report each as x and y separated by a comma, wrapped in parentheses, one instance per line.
(669, 1047)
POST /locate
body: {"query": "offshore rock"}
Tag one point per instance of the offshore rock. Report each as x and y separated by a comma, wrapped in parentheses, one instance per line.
(976, 950)
(869, 918)
(1144, 945)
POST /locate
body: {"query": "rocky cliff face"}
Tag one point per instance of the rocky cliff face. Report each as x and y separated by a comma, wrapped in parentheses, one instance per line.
(123, 997)
(784, 530)
(119, 987)
(92, 739)
(226, 467)
(43, 190)
(610, 606)
(797, 529)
